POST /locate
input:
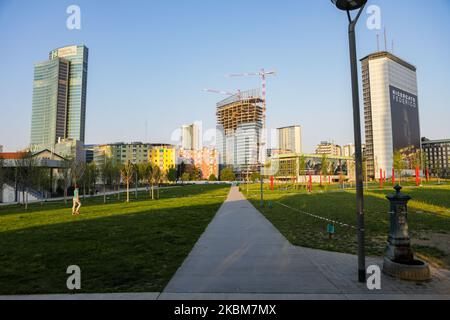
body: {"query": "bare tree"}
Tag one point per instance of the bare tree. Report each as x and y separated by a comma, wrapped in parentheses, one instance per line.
(156, 178)
(66, 177)
(105, 171)
(26, 174)
(77, 171)
(127, 173)
(148, 173)
(2, 176)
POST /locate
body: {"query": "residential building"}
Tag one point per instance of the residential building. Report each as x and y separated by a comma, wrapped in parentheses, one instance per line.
(391, 111)
(239, 130)
(206, 159)
(163, 156)
(191, 136)
(437, 156)
(290, 139)
(329, 148)
(121, 153)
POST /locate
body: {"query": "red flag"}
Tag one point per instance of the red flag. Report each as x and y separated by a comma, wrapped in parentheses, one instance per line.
(381, 178)
(310, 182)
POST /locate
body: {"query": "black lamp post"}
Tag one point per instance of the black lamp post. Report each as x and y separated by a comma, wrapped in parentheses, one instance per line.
(350, 5)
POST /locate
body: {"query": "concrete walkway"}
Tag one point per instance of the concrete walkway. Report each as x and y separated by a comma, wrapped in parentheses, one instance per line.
(242, 252)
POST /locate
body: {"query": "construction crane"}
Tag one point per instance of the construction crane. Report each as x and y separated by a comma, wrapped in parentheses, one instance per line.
(225, 93)
(263, 76)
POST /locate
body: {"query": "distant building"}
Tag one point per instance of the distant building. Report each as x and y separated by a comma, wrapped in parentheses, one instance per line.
(1, 148)
(50, 97)
(205, 159)
(59, 98)
(391, 111)
(89, 152)
(437, 156)
(121, 153)
(163, 156)
(191, 136)
(329, 148)
(290, 139)
(77, 56)
(70, 149)
(239, 131)
(348, 150)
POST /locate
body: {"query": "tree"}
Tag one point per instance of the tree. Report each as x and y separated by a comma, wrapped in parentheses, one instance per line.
(212, 178)
(105, 172)
(325, 166)
(90, 178)
(148, 173)
(77, 171)
(172, 174)
(399, 164)
(227, 174)
(2, 174)
(156, 179)
(66, 177)
(26, 167)
(127, 173)
(185, 177)
(255, 176)
(116, 177)
(302, 167)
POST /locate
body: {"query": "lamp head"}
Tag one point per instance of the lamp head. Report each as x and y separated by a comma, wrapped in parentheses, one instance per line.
(348, 5)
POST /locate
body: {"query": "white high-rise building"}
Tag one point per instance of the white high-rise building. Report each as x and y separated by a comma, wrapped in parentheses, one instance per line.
(290, 139)
(191, 136)
(391, 111)
(348, 150)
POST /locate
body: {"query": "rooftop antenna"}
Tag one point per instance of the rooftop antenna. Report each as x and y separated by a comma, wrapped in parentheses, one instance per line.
(378, 42)
(385, 40)
(393, 43)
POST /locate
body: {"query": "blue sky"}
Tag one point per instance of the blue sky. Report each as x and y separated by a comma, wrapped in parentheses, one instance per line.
(150, 60)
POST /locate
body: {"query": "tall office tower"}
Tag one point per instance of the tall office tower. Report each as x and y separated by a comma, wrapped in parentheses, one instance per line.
(391, 112)
(59, 97)
(290, 139)
(50, 92)
(239, 130)
(190, 136)
(76, 102)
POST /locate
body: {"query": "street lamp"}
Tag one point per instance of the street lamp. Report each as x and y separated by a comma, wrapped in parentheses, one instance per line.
(350, 5)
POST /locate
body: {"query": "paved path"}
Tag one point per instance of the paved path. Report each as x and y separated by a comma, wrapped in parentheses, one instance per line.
(242, 252)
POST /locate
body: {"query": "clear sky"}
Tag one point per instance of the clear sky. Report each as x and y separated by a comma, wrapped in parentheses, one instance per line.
(149, 61)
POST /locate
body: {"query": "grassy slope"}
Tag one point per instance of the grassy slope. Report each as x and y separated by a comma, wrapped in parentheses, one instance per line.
(119, 247)
(429, 212)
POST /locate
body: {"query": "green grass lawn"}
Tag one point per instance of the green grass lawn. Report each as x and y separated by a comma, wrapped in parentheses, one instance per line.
(429, 217)
(120, 247)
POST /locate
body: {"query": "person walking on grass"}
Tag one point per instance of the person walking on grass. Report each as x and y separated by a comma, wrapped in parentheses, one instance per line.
(76, 201)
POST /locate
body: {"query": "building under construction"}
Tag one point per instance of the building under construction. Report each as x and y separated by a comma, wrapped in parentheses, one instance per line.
(240, 120)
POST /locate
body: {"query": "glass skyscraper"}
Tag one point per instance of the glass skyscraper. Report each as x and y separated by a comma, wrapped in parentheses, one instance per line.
(76, 105)
(50, 91)
(59, 97)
